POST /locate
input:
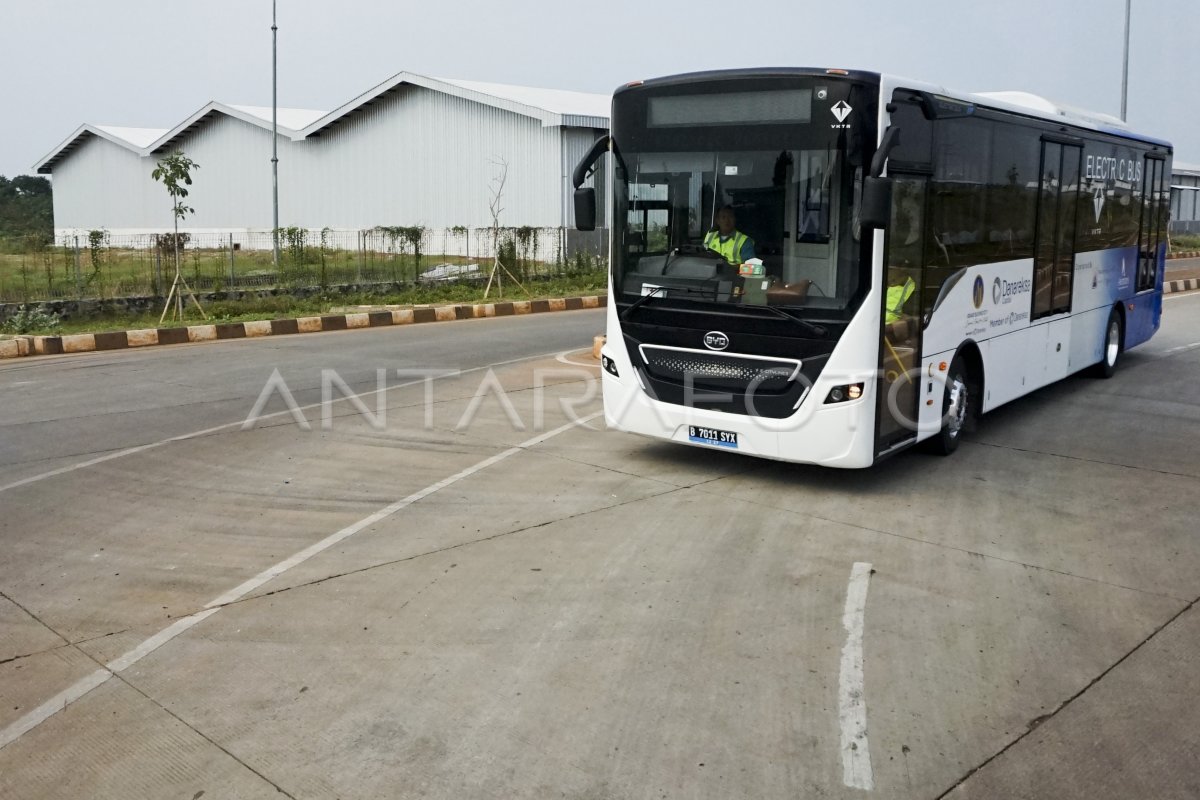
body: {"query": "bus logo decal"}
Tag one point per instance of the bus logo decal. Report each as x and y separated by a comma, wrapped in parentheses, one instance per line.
(715, 340)
(1098, 201)
(996, 292)
(841, 109)
(977, 291)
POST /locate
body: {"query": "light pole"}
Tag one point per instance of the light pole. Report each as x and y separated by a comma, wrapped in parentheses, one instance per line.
(274, 139)
(1125, 68)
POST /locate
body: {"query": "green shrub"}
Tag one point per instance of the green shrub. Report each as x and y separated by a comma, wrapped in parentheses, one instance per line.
(29, 319)
(1185, 241)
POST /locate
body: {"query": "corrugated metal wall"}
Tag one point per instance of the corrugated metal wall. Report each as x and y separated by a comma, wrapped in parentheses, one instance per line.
(103, 185)
(575, 144)
(415, 157)
(1185, 201)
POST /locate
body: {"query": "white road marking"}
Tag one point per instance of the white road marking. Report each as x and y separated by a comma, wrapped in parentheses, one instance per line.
(562, 357)
(852, 702)
(86, 684)
(1182, 295)
(1181, 348)
(129, 451)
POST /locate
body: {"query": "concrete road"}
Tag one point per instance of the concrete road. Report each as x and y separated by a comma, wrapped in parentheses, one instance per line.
(460, 594)
(1180, 268)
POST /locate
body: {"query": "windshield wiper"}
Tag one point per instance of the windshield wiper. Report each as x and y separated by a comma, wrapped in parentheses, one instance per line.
(683, 290)
(641, 300)
(812, 327)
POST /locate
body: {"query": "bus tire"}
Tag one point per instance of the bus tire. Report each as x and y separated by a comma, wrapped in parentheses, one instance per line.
(958, 403)
(1114, 346)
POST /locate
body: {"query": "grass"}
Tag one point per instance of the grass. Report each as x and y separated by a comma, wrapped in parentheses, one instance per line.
(1184, 242)
(288, 306)
(50, 274)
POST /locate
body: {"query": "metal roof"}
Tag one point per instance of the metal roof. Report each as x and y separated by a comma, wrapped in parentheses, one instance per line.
(556, 101)
(138, 137)
(554, 107)
(251, 114)
(145, 141)
(133, 139)
(292, 118)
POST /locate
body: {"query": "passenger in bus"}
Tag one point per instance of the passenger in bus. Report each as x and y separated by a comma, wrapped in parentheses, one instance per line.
(727, 241)
(900, 289)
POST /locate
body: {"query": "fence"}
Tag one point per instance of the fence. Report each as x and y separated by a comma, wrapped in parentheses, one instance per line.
(97, 265)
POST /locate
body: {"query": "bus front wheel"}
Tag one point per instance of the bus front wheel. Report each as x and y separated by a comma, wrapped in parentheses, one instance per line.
(1114, 345)
(957, 407)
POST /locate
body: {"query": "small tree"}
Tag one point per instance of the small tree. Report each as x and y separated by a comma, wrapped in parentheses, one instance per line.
(498, 265)
(175, 173)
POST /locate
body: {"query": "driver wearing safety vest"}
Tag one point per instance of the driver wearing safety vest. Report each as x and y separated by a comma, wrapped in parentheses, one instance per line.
(727, 241)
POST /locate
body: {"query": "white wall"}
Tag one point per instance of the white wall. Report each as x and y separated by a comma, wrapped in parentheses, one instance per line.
(416, 157)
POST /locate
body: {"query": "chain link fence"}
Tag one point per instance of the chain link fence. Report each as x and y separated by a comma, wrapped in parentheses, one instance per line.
(97, 265)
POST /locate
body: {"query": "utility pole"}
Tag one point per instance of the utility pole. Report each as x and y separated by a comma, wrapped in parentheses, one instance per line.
(1125, 67)
(275, 140)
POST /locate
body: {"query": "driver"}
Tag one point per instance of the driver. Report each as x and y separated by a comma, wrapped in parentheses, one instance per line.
(727, 241)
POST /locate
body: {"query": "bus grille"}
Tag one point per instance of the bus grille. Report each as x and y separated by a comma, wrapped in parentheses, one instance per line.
(676, 365)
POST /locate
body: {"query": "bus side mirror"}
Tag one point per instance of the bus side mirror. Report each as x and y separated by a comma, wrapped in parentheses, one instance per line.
(876, 210)
(585, 209)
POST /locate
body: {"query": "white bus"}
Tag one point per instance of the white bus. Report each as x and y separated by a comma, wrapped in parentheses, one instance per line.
(916, 258)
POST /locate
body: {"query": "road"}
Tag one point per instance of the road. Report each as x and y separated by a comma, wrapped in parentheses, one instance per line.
(462, 600)
(1180, 268)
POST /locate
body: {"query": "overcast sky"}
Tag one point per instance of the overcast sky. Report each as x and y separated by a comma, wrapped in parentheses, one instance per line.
(150, 63)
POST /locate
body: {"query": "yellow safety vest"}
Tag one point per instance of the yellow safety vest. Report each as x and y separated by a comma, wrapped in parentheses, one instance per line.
(730, 249)
(897, 296)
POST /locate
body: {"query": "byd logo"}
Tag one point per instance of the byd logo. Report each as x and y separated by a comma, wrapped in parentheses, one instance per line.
(715, 340)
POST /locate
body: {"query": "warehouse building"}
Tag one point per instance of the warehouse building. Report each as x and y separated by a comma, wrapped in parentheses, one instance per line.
(411, 151)
(1185, 198)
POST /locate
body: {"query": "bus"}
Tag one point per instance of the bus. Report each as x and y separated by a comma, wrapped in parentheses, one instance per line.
(917, 257)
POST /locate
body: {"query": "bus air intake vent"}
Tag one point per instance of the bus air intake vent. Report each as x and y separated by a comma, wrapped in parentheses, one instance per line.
(676, 364)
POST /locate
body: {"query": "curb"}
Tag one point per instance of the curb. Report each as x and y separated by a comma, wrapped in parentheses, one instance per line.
(1184, 254)
(152, 337)
(1185, 285)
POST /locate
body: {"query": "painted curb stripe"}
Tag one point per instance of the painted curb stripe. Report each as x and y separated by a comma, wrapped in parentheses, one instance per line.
(173, 336)
(117, 340)
(149, 337)
(333, 322)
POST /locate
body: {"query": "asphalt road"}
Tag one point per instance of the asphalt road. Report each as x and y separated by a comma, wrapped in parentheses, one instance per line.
(1178, 268)
(465, 595)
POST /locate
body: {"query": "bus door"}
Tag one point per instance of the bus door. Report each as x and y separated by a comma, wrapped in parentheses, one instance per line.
(1048, 348)
(1058, 207)
(1144, 313)
(910, 167)
(900, 345)
(1150, 234)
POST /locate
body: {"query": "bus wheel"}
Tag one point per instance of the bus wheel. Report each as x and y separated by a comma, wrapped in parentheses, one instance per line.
(1114, 342)
(957, 405)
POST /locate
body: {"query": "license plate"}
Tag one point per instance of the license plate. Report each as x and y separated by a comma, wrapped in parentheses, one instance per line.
(712, 436)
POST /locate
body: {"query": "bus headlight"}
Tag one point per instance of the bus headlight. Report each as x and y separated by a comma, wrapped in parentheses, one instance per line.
(609, 366)
(842, 394)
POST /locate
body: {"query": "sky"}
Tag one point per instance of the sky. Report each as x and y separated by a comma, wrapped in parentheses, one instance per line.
(150, 63)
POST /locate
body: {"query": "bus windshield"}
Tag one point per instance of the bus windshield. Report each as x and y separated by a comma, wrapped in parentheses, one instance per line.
(750, 206)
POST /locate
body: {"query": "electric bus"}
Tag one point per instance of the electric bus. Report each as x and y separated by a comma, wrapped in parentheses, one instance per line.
(919, 257)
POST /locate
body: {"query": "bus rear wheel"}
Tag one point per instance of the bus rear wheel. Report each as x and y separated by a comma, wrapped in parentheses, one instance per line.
(1114, 344)
(958, 404)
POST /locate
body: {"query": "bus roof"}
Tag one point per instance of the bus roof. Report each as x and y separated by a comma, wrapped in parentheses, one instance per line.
(1030, 105)
(1024, 103)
